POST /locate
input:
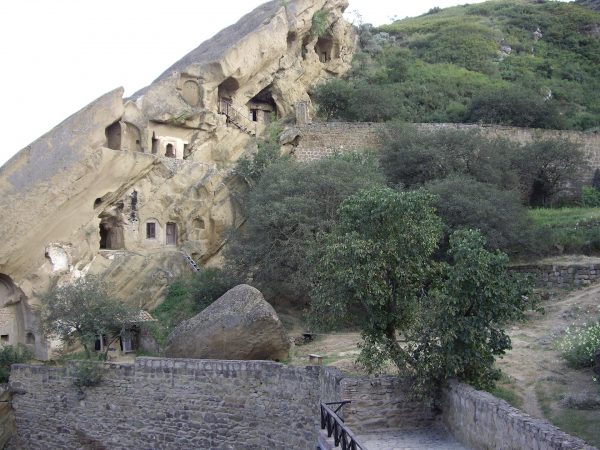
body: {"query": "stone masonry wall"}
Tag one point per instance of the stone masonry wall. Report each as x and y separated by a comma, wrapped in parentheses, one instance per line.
(318, 139)
(173, 404)
(483, 421)
(383, 403)
(560, 276)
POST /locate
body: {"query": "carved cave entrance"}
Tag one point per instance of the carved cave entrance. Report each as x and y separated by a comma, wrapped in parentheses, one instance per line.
(327, 49)
(262, 106)
(111, 231)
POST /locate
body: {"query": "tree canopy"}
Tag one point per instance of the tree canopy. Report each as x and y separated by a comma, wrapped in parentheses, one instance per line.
(83, 311)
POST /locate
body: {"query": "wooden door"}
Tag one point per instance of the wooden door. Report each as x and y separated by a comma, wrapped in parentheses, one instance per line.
(171, 234)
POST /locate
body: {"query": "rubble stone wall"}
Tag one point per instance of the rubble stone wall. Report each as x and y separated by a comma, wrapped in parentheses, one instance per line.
(173, 404)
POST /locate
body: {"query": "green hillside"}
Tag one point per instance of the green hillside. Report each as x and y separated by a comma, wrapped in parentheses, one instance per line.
(511, 62)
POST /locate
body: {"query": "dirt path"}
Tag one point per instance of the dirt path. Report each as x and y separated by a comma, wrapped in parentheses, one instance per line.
(544, 385)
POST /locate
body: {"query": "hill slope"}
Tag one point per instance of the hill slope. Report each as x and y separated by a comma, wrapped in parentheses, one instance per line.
(512, 62)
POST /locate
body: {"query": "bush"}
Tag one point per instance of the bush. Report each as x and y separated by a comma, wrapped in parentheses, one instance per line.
(580, 344)
(499, 215)
(290, 206)
(10, 355)
(87, 374)
(251, 168)
(333, 98)
(545, 171)
(412, 157)
(590, 197)
(515, 106)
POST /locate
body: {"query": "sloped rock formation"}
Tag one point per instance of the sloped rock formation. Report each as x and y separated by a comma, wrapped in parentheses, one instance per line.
(239, 325)
(125, 188)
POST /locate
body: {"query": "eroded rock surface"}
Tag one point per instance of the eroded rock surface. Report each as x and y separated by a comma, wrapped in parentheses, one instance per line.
(124, 188)
(239, 325)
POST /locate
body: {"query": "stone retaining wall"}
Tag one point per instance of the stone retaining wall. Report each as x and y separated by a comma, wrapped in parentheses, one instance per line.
(319, 139)
(561, 276)
(383, 403)
(483, 421)
(173, 404)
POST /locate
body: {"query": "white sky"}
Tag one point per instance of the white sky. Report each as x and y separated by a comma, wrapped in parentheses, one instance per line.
(58, 55)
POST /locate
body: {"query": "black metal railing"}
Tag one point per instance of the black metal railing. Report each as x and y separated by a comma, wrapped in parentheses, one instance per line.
(237, 118)
(335, 427)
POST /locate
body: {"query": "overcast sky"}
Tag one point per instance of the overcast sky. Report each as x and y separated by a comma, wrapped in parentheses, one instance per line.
(59, 55)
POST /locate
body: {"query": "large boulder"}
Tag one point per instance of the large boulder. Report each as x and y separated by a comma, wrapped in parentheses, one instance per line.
(238, 325)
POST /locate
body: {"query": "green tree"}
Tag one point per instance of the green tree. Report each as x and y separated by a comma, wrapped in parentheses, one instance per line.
(461, 322)
(291, 204)
(83, 311)
(463, 202)
(432, 320)
(515, 106)
(333, 98)
(373, 266)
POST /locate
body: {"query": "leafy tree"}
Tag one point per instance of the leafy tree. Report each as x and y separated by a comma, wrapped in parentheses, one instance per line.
(463, 202)
(10, 355)
(543, 171)
(250, 168)
(291, 204)
(516, 107)
(412, 157)
(432, 320)
(373, 267)
(549, 169)
(333, 98)
(461, 322)
(84, 310)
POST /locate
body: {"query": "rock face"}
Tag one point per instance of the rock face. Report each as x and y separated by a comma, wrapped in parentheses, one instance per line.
(123, 188)
(239, 325)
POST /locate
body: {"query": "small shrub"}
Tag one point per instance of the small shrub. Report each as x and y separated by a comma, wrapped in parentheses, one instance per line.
(590, 197)
(87, 374)
(320, 23)
(9, 355)
(580, 344)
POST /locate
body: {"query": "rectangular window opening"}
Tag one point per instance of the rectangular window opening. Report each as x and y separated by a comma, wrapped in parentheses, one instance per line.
(150, 230)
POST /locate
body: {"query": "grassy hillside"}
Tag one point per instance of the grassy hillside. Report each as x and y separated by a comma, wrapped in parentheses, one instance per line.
(511, 62)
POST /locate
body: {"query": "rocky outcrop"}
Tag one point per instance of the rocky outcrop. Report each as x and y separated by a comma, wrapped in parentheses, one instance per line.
(239, 325)
(124, 187)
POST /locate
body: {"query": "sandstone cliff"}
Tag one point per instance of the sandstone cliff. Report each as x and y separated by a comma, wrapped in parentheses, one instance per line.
(126, 188)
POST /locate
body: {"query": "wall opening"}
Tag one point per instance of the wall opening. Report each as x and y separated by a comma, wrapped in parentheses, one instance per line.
(4, 338)
(97, 202)
(226, 91)
(30, 339)
(186, 151)
(171, 233)
(291, 38)
(113, 136)
(326, 49)
(170, 151)
(154, 144)
(199, 224)
(262, 106)
(151, 230)
(111, 235)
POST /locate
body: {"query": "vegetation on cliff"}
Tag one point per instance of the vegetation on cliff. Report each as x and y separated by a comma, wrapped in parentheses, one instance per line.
(531, 64)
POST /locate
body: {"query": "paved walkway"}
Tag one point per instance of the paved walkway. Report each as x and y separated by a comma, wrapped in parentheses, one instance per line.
(436, 438)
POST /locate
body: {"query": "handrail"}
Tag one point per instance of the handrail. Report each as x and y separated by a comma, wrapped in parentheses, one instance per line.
(335, 427)
(234, 115)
